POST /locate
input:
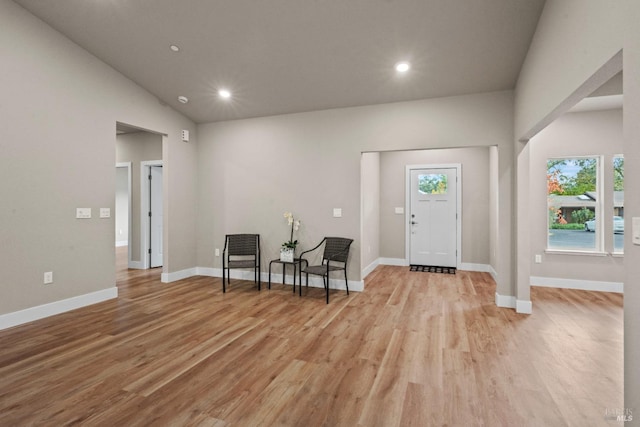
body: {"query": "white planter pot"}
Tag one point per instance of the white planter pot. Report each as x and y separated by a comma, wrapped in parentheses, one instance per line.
(286, 254)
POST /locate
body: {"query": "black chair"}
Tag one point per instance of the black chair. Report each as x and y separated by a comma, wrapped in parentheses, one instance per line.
(241, 251)
(334, 258)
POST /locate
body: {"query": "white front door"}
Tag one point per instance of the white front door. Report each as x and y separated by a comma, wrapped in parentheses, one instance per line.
(432, 217)
(155, 213)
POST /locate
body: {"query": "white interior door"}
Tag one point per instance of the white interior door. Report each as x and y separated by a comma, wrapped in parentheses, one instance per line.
(432, 217)
(155, 214)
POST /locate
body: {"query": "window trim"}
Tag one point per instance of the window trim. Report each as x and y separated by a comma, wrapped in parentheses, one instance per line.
(598, 249)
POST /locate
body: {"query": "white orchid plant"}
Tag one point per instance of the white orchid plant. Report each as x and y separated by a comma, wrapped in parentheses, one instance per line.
(295, 225)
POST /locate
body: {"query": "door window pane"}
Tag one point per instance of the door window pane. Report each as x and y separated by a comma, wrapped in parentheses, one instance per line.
(433, 183)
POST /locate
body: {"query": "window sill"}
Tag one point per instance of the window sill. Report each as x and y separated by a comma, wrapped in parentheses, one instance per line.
(617, 254)
(574, 252)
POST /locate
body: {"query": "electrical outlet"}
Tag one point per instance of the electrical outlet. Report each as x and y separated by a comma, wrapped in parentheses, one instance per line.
(48, 277)
(217, 252)
(538, 259)
(83, 213)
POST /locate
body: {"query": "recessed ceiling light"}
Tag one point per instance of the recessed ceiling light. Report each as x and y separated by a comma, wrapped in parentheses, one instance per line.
(224, 93)
(174, 48)
(402, 67)
(183, 99)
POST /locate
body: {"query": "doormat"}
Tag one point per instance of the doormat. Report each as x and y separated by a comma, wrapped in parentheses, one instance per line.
(432, 269)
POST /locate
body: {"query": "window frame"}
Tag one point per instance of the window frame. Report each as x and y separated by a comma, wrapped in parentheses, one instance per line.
(614, 251)
(598, 248)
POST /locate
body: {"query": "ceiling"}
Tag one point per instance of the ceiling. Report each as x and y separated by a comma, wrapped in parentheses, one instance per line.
(288, 56)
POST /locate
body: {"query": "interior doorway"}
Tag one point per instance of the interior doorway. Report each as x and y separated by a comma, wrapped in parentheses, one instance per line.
(140, 149)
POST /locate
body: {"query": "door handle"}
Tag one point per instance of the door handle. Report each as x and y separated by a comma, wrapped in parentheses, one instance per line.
(413, 223)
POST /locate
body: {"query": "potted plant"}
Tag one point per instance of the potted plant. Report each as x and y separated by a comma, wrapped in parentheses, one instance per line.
(288, 248)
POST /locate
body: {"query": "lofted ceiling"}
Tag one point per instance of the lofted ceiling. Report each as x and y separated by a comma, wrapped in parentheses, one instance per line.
(288, 56)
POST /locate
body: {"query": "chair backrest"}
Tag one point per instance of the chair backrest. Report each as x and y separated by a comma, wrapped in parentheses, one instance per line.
(242, 244)
(336, 249)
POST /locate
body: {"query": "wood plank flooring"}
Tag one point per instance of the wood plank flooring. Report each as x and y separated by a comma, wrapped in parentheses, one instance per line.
(414, 349)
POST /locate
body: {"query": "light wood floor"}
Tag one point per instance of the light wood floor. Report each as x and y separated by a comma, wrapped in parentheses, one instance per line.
(414, 349)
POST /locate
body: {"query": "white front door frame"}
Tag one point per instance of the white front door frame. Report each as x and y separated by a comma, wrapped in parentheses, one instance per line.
(144, 209)
(407, 208)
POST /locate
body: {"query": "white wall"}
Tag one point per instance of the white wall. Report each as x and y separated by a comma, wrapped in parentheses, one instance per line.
(475, 199)
(494, 207)
(57, 139)
(574, 134)
(632, 205)
(574, 38)
(250, 171)
(122, 206)
(370, 190)
(571, 52)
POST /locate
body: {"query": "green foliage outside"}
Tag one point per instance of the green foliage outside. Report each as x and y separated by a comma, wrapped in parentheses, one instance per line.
(618, 174)
(581, 216)
(574, 185)
(432, 184)
(569, 226)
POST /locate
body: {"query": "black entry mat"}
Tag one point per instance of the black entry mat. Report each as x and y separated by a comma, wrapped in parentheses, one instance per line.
(432, 269)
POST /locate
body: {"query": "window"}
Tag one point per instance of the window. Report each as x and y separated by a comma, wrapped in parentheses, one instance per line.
(432, 183)
(618, 204)
(573, 205)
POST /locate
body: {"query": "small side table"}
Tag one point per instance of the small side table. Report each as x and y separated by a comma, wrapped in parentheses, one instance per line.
(297, 269)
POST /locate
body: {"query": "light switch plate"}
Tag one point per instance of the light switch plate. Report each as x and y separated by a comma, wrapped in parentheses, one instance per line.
(337, 212)
(83, 213)
(635, 230)
(105, 212)
(399, 211)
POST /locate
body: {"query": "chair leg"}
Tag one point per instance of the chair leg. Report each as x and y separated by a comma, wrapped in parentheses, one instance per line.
(224, 288)
(325, 280)
(346, 282)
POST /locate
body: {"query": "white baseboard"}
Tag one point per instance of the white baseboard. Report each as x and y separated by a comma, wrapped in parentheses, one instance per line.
(178, 275)
(493, 273)
(585, 285)
(505, 301)
(524, 307)
(136, 265)
(393, 261)
(368, 269)
(469, 266)
(122, 243)
(314, 281)
(41, 311)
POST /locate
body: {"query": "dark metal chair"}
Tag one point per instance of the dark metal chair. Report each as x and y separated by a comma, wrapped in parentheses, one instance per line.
(241, 251)
(334, 258)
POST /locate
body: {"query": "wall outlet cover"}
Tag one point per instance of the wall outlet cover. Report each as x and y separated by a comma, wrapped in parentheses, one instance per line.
(83, 213)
